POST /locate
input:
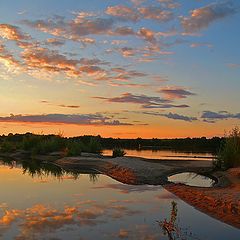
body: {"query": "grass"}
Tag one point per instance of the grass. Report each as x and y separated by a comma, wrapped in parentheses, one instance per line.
(118, 152)
(229, 154)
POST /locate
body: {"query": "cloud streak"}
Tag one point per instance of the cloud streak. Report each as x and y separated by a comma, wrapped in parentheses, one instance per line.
(201, 18)
(212, 117)
(79, 119)
(143, 100)
(175, 92)
(170, 115)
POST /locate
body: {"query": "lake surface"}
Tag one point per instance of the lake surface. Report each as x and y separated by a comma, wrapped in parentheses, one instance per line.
(165, 154)
(44, 202)
(192, 179)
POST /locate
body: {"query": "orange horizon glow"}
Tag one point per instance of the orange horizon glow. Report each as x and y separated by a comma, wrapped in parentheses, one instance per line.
(123, 69)
(148, 132)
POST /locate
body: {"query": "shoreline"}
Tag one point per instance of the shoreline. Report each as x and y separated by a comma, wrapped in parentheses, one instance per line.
(219, 202)
(136, 170)
(222, 201)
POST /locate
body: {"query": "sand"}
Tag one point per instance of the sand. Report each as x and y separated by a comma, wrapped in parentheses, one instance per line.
(221, 201)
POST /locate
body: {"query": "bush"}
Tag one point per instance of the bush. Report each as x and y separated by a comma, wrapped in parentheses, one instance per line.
(229, 154)
(41, 144)
(45, 144)
(7, 147)
(94, 146)
(74, 148)
(118, 152)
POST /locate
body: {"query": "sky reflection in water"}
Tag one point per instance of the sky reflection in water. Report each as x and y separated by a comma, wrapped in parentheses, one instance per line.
(72, 206)
(192, 179)
(165, 154)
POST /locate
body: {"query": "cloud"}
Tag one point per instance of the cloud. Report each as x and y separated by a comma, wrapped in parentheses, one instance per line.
(211, 117)
(55, 42)
(75, 29)
(195, 45)
(233, 65)
(39, 60)
(123, 31)
(136, 14)
(123, 12)
(143, 100)
(85, 25)
(127, 51)
(169, 4)
(11, 32)
(176, 116)
(202, 17)
(126, 189)
(40, 220)
(9, 63)
(175, 92)
(80, 119)
(137, 2)
(170, 115)
(165, 195)
(156, 13)
(50, 60)
(119, 42)
(60, 105)
(131, 85)
(147, 35)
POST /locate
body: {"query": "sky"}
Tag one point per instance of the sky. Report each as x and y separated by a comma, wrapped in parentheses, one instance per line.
(127, 69)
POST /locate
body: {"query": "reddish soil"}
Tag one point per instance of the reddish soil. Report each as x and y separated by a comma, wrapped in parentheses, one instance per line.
(222, 203)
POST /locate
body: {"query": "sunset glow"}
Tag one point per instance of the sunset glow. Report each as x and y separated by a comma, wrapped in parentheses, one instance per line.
(127, 69)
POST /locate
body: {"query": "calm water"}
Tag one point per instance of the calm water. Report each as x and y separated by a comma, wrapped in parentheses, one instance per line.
(192, 179)
(43, 202)
(165, 154)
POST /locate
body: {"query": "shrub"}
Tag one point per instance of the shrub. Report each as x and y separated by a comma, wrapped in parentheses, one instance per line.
(74, 148)
(7, 147)
(45, 144)
(118, 152)
(229, 154)
(94, 146)
(40, 144)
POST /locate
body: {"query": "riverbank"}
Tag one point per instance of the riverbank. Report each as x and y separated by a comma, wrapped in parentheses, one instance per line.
(135, 170)
(222, 201)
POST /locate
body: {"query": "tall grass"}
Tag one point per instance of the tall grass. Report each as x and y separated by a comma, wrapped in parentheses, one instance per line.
(118, 152)
(229, 154)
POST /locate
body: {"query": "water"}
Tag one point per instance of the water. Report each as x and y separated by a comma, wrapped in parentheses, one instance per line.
(44, 202)
(165, 154)
(192, 179)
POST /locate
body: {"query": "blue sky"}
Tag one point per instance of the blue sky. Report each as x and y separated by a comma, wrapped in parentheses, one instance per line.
(160, 68)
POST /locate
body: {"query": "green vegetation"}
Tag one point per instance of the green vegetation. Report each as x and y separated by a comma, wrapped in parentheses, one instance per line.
(229, 154)
(118, 152)
(44, 144)
(7, 147)
(74, 148)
